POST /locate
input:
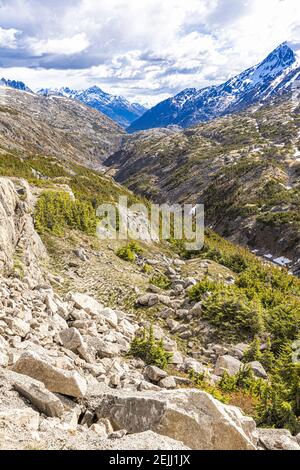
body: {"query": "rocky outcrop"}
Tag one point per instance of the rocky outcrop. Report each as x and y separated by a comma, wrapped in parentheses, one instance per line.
(20, 246)
(190, 416)
(55, 379)
(36, 392)
(277, 439)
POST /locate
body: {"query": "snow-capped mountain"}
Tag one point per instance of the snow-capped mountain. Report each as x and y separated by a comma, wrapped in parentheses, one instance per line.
(272, 76)
(117, 108)
(14, 84)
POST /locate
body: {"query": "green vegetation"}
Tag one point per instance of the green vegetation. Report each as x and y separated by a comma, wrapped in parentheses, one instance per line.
(161, 281)
(151, 351)
(46, 171)
(263, 306)
(129, 252)
(196, 292)
(273, 403)
(57, 210)
(233, 314)
(147, 268)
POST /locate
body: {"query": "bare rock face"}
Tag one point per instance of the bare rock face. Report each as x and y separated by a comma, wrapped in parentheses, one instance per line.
(56, 380)
(190, 416)
(22, 418)
(36, 392)
(17, 229)
(8, 204)
(277, 439)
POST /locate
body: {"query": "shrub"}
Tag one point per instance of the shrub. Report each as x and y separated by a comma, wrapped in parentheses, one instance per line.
(126, 254)
(147, 268)
(152, 352)
(57, 210)
(253, 353)
(161, 281)
(233, 314)
(129, 252)
(197, 291)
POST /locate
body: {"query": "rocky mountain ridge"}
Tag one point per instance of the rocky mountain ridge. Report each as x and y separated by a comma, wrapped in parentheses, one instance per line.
(278, 73)
(244, 168)
(117, 108)
(55, 126)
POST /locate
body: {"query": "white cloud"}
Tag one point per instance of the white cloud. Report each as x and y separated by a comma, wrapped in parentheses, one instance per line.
(8, 37)
(143, 49)
(71, 45)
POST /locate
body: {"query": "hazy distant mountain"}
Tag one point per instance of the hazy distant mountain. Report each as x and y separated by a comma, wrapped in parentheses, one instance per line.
(117, 108)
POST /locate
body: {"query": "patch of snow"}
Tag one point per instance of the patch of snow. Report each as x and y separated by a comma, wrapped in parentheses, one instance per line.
(282, 261)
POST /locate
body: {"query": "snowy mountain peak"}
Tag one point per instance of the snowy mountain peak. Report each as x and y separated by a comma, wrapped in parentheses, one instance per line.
(295, 47)
(274, 75)
(281, 58)
(17, 85)
(117, 108)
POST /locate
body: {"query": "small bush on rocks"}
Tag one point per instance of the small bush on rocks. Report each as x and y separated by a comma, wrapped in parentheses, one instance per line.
(129, 252)
(161, 281)
(151, 351)
(196, 292)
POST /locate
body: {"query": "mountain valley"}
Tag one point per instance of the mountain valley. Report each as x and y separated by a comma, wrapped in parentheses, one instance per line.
(133, 344)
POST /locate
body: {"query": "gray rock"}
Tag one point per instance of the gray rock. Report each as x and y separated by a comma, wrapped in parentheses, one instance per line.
(258, 369)
(147, 300)
(155, 374)
(56, 380)
(18, 327)
(102, 348)
(86, 302)
(71, 339)
(118, 434)
(34, 391)
(277, 439)
(177, 358)
(190, 416)
(168, 382)
(81, 254)
(144, 385)
(229, 364)
(239, 350)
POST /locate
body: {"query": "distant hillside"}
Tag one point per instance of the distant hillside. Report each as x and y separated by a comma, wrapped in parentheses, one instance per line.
(117, 108)
(55, 126)
(245, 168)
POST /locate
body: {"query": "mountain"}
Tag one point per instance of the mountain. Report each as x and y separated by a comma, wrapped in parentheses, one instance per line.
(55, 126)
(269, 78)
(15, 84)
(244, 167)
(84, 320)
(115, 107)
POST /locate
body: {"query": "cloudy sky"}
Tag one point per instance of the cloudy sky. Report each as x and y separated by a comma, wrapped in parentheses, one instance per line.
(145, 50)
